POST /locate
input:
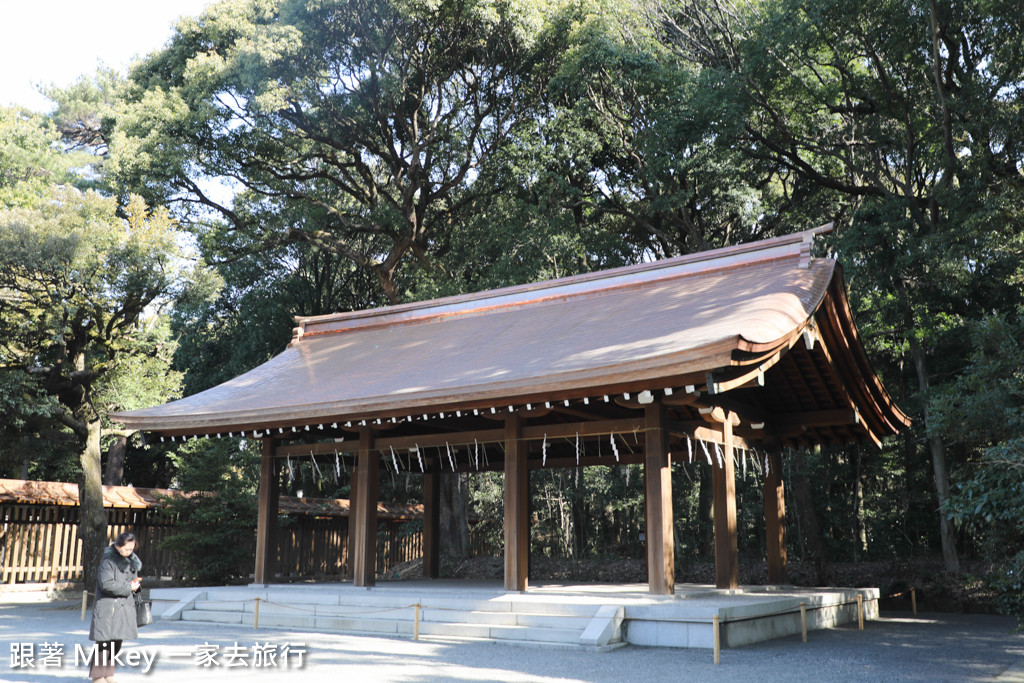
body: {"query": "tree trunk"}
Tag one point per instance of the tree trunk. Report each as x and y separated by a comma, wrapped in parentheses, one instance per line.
(704, 511)
(859, 528)
(804, 501)
(938, 449)
(115, 462)
(580, 518)
(454, 525)
(92, 521)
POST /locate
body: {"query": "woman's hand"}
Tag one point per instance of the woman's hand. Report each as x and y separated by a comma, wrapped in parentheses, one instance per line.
(135, 584)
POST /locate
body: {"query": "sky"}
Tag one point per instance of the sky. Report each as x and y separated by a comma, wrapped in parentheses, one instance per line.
(56, 41)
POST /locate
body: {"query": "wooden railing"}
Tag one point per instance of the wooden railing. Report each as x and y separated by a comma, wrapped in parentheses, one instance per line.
(40, 544)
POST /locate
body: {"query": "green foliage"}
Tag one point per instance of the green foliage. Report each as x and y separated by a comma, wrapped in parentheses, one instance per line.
(361, 121)
(1008, 583)
(214, 534)
(30, 160)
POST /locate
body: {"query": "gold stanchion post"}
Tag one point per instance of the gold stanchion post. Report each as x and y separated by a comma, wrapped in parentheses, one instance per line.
(803, 620)
(860, 612)
(416, 623)
(717, 639)
(85, 601)
(913, 600)
(256, 616)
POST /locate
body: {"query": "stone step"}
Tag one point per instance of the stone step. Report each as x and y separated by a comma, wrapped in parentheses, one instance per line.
(497, 612)
(478, 601)
(390, 626)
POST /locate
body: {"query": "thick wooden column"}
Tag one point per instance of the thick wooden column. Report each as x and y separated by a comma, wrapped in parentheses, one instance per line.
(775, 520)
(726, 550)
(353, 537)
(266, 516)
(517, 499)
(661, 560)
(367, 480)
(431, 525)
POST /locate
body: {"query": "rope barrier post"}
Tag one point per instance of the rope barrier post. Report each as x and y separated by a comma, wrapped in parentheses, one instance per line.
(803, 620)
(860, 612)
(85, 601)
(256, 616)
(913, 600)
(416, 622)
(717, 639)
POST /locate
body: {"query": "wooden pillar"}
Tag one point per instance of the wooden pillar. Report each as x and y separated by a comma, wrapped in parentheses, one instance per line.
(726, 550)
(775, 520)
(266, 516)
(353, 537)
(367, 480)
(517, 499)
(431, 525)
(661, 560)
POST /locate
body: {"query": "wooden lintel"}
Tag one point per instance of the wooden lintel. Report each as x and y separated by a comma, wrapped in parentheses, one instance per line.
(704, 433)
(529, 433)
(587, 461)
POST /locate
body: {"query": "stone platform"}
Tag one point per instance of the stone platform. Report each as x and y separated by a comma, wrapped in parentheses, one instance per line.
(590, 616)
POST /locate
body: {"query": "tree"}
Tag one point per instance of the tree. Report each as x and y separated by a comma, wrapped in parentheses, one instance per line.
(910, 113)
(77, 281)
(361, 121)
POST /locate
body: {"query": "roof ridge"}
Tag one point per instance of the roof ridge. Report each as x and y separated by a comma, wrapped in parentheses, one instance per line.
(793, 245)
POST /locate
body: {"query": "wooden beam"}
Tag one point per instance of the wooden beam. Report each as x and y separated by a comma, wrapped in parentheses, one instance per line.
(726, 548)
(517, 499)
(530, 433)
(366, 511)
(431, 525)
(775, 520)
(266, 515)
(658, 503)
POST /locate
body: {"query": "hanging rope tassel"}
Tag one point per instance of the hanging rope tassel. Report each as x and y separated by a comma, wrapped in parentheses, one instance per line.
(704, 445)
(291, 472)
(544, 452)
(577, 449)
(476, 453)
(316, 467)
(419, 456)
(720, 455)
(615, 448)
(394, 458)
(451, 460)
(689, 448)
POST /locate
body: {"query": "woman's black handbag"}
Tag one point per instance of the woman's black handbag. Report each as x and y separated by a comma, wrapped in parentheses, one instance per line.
(143, 611)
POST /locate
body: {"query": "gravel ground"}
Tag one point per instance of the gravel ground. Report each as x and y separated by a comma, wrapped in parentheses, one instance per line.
(897, 647)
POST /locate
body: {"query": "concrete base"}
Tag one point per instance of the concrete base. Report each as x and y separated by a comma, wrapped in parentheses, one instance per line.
(590, 616)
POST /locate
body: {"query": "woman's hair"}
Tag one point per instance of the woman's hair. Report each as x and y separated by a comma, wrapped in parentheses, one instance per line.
(122, 539)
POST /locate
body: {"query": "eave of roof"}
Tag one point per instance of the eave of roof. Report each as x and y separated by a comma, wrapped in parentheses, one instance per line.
(648, 325)
(708, 322)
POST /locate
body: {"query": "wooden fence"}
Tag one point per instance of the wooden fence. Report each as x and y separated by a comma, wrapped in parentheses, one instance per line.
(40, 543)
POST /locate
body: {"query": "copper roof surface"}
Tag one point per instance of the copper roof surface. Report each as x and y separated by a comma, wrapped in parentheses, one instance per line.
(650, 324)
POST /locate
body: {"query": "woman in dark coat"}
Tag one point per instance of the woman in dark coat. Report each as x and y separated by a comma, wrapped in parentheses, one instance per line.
(113, 612)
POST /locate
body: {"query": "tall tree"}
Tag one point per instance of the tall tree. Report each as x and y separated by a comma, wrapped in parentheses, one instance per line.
(911, 113)
(77, 280)
(364, 121)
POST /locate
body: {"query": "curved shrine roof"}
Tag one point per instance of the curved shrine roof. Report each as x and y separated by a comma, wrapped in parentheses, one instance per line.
(702, 322)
